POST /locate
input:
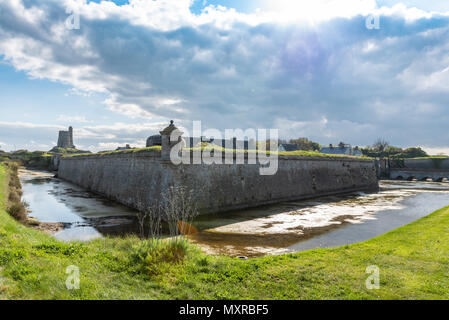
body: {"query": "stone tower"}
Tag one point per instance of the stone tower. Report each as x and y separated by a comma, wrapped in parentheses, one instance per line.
(65, 139)
(170, 137)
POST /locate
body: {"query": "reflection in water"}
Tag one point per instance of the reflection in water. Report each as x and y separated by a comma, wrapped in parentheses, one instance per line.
(286, 227)
(408, 210)
(322, 222)
(85, 216)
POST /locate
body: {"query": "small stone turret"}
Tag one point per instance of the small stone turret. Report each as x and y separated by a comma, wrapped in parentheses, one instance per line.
(171, 136)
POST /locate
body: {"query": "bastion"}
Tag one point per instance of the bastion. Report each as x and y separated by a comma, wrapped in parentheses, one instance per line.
(138, 179)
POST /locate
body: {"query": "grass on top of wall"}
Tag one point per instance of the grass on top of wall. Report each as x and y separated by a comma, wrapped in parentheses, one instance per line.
(298, 153)
(126, 151)
(413, 262)
(302, 153)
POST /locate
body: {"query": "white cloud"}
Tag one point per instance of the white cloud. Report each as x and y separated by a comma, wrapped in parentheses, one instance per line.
(436, 150)
(155, 60)
(19, 124)
(72, 119)
(126, 128)
(128, 109)
(36, 145)
(319, 10)
(114, 145)
(97, 136)
(324, 130)
(108, 145)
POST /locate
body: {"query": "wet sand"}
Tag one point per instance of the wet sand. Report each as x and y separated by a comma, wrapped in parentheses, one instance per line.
(291, 227)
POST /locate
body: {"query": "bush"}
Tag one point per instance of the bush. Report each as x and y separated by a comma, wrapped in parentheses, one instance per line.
(14, 197)
(155, 257)
(14, 182)
(18, 211)
(14, 166)
(410, 153)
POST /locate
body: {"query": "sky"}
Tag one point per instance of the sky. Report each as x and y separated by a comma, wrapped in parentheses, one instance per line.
(323, 70)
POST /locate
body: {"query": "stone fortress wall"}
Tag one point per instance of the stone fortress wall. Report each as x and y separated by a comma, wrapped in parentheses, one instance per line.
(427, 163)
(436, 169)
(139, 179)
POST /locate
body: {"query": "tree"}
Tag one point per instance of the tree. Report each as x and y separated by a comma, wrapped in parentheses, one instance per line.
(380, 145)
(269, 142)
(415, 152)
(393, 150)
(306, 144)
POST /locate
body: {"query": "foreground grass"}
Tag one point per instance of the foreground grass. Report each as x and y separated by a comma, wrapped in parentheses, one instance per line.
(413, 262)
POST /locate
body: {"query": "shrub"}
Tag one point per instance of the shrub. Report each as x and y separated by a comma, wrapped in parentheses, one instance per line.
(154, 257)
(179, 210)
(14, 197)
(14, 166)
(14, 182)
(18, 211)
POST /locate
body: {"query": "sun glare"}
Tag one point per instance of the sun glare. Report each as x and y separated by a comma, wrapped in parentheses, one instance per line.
(318, 10)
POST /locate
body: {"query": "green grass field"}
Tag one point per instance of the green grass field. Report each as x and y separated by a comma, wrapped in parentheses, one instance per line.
(413, 262)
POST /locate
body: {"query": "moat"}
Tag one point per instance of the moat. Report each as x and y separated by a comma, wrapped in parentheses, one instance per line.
(281, 228)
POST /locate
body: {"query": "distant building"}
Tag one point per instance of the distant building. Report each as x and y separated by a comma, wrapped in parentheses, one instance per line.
(65, 139)
(288, 147)
(343, 149)
(127, 147)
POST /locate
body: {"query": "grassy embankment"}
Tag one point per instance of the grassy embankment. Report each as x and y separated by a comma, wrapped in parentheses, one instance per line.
(38, 159)
(126, 151)
(299, 153)
(413, 262)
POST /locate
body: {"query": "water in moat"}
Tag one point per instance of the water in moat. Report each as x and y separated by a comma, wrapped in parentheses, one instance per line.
(281, 228)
